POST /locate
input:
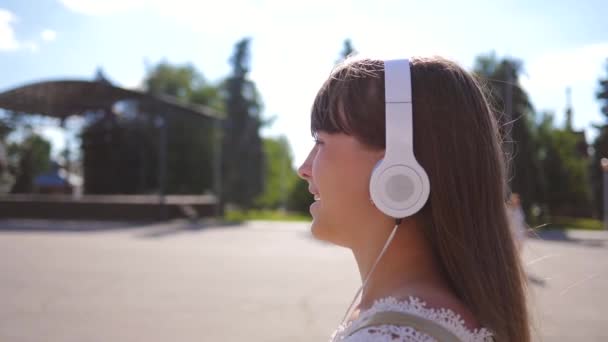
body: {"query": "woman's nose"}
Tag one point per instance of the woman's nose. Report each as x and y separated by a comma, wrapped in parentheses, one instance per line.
(305, 170)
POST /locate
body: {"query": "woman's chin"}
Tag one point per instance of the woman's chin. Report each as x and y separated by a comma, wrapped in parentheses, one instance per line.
(320, 232)
(317, 230)
(314, 212)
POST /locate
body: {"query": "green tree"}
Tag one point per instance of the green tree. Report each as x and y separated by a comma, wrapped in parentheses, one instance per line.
(347, 50)
(183, 82)
(242, 150)
(600, 146)
(565, 170)
(515, 116)
(299, 197)
(33, 156)
(279, 174)
(24, 160)
(5, 129)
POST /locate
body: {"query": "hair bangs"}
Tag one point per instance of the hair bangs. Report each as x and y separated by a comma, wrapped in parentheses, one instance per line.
(328, 112)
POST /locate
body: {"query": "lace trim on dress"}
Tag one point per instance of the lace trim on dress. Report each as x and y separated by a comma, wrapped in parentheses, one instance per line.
(413, 305)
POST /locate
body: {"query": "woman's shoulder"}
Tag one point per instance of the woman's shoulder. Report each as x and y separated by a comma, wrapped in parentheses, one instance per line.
(445, 317)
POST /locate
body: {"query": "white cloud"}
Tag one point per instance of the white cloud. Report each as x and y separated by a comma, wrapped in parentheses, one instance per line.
(48, 35)
(101, 7)
(579, 69)
(8, 41)
(565, 67)
(31, 46)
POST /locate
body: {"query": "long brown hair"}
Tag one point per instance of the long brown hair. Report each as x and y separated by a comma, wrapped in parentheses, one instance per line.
(457, 141)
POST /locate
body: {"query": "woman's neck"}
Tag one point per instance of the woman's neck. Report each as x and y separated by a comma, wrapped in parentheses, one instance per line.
(407, 267)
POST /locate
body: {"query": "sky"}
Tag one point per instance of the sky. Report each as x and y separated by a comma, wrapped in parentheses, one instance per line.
(295, 45)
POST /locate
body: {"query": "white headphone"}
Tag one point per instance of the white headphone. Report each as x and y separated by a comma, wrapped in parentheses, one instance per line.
(399, 186)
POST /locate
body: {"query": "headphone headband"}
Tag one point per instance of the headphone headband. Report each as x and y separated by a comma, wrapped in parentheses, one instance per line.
(398, 110)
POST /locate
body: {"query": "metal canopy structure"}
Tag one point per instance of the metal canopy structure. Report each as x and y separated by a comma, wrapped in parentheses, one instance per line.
(64, 98)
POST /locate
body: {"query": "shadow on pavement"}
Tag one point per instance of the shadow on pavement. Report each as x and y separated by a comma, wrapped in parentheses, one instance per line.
(160, 230)
(534, 280)
(38, 225)
(585, 238)
(148, 229)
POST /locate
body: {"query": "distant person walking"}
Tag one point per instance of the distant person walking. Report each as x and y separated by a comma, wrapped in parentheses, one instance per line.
(517, 220)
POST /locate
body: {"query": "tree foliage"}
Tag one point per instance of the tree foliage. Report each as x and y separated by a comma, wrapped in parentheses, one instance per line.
(600, 146)
(564, 170)
(516, 119)
(279, 174)
(242, 148)
(347, 50)
(31, 157)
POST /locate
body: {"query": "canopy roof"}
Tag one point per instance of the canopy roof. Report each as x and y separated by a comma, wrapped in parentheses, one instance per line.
(64, 98)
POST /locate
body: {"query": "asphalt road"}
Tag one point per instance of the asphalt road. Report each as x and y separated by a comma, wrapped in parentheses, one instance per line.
(261, 281)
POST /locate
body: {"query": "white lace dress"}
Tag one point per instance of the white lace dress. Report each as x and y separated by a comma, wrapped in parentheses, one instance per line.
(447, 318)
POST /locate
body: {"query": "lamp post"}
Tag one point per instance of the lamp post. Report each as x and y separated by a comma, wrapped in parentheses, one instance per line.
(604, 163)
(161, 123)
(217, 166)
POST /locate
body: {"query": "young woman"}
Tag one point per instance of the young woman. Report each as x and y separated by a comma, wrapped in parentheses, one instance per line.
(452, 266)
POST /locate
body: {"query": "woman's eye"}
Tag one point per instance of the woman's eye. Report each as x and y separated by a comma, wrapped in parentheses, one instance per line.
(318, 142)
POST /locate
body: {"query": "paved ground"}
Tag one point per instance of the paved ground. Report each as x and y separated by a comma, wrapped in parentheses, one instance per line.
(67, 281)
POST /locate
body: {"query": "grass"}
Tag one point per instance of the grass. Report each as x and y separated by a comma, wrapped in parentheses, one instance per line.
(574, 223)
(264, 215)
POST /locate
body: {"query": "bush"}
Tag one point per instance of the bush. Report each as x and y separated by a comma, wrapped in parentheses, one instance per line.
(299, 198)
(561, 222)
(265, 215)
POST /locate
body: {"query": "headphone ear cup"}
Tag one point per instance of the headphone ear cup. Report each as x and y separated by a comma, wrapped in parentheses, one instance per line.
(399, 190)
(373, 183)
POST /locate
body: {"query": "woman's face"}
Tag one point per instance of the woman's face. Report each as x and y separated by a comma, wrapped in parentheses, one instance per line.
(338, 170)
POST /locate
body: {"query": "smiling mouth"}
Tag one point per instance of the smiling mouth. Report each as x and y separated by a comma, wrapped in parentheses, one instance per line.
(317, 197)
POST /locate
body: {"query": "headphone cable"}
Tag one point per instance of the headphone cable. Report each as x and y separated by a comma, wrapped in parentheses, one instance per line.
(386, 244)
